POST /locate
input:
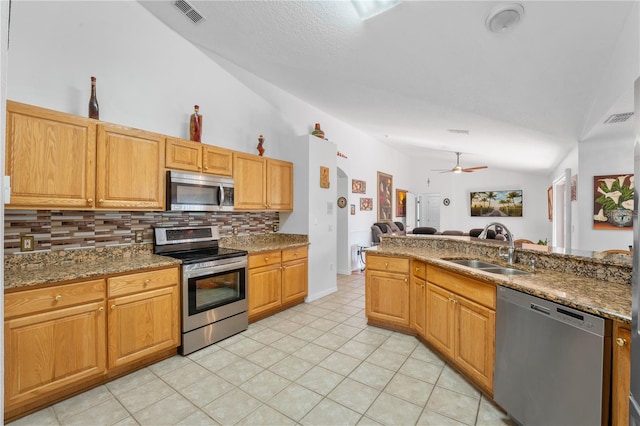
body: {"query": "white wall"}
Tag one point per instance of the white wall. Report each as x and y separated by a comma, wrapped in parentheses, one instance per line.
(457, 187)
(571, 161)
(4, 58)
(601, 156)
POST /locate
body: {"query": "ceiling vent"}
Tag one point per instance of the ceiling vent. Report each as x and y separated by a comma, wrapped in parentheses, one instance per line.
(618, 118)
(189, 11)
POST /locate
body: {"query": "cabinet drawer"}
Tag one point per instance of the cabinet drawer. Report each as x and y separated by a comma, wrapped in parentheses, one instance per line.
(294, 254)
(388, 264)
(133, 283)
(49, 298)
(264, 259)
(477, 291)
(419, 269)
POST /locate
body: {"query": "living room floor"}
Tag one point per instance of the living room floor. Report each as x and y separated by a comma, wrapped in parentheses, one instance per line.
(314, 364)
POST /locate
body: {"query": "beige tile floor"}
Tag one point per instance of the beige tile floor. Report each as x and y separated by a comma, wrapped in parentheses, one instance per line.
(314, 364)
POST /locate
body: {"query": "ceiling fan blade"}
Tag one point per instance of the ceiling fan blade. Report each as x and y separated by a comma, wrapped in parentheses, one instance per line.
(473, 169)
(440, 170)
(445, 171)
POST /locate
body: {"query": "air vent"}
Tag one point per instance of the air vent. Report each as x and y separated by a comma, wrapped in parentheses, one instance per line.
(459, 131)
(618, 118)
(189, 11)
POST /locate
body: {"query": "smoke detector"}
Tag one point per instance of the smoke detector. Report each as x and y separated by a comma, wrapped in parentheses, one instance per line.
(504, 17)
(618, 118)
(189, 11)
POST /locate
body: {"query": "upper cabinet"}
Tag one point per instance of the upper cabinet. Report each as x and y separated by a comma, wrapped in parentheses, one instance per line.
(130, 175)
(197, 157)
(262, 183)
(50, 157)
(62, 161)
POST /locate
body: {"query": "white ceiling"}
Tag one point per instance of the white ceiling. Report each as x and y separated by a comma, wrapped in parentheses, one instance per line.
(407, 76)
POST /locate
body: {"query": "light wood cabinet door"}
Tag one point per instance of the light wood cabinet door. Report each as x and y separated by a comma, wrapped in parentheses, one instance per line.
(249, 175)
(294, 280)
(621, 374)
(217, 161)
(183, 155)
(50, 157)
(418, 303)
(129, 172)
(475, 338)
(265, 289)
(440, 323)
(48, 351)
(387, 297)
(279, 185)
(143, 323)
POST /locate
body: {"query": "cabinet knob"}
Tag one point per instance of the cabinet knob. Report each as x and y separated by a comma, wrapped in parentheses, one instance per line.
(206, 167)
(101, 308)
(58, 297)
(417, 269)
(100, 201)
(113, 307)
(406, 280)
(266, 259)
(621, 341)
(147, 281)
(386, 265)
(89, 200)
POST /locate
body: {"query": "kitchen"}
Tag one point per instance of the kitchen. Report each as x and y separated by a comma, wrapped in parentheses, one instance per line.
(155, 112)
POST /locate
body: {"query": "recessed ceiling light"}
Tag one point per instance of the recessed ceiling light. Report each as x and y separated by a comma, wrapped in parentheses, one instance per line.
(369, 8)
(504, 17)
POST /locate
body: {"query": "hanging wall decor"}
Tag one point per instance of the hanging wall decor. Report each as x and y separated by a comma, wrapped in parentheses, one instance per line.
(613, 202)
(358, 186)
(385, 189)
(497, 203)
(366, 204)
(401, 203)
(324, 177)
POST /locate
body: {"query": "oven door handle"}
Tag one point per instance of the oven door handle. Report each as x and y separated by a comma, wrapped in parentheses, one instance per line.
(213, 270)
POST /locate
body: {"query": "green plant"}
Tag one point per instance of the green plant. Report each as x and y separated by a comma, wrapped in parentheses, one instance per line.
(542, 243)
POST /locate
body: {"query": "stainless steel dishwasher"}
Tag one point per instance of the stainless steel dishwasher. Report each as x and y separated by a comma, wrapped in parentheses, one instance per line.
(550, 361)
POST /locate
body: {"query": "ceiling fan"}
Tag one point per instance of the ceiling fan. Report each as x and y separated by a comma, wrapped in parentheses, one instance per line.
(458, 168)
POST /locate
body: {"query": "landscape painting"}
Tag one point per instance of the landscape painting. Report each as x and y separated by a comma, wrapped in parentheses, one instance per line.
(497, 203)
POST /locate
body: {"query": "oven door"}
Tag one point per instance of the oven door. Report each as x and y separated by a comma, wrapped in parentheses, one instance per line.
(212, 294)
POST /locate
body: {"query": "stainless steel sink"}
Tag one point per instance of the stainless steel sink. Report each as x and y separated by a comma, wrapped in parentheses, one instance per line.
(487, 267)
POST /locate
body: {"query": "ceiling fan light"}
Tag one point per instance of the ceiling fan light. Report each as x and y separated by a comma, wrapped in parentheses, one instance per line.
(504, 17)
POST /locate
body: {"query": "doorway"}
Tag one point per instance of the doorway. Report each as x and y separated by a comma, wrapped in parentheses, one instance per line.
(558, 220)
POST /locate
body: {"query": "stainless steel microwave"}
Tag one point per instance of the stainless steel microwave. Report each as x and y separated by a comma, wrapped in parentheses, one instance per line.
(198, 192)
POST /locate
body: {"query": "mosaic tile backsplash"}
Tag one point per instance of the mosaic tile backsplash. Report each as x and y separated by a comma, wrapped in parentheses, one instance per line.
(55, 230)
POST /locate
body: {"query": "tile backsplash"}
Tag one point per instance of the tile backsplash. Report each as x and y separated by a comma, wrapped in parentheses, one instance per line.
(55, 230)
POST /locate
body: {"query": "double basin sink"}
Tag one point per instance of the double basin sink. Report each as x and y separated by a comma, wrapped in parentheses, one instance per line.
(487, 267)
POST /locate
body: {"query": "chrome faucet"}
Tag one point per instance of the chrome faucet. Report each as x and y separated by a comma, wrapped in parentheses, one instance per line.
(511, 255)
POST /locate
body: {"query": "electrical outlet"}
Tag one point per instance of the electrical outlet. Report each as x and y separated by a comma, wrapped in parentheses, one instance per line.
(27, 243)
(234, 230)
(275, 227)
(139, 236)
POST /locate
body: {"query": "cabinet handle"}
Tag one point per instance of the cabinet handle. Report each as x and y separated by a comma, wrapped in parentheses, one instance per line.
(621, 341)
(113, 307)
(100, 201)
(146, 282)
(58, 297)
(101, 308)
(90, 201)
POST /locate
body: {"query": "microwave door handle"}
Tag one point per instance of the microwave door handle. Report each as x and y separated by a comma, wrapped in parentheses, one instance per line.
(221, 192)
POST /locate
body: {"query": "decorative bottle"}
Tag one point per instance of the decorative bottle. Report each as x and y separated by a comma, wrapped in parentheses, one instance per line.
(318, 132)
(195, 125)
(260, 148)
(94, 109)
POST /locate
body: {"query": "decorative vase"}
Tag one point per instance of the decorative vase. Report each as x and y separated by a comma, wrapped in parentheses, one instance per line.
(260, 148)
(195, 125)
(318, 132)
(620, 217)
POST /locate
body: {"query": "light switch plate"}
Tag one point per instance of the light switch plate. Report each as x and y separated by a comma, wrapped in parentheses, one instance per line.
(139, 236)
(27, 243)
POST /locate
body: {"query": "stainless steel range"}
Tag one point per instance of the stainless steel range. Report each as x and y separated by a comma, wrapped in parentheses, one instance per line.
(214, 294)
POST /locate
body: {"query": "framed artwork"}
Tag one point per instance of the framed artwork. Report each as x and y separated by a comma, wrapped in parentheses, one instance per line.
(385, 191)
(358, 186)
(352, 209)
(324, 177)
(366, 204)
(550, 203)
(613, 202)
(497, 203)
(401, 203)
(574, 187)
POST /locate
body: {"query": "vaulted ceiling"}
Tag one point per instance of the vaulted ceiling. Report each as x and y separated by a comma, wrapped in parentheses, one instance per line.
(409, 76)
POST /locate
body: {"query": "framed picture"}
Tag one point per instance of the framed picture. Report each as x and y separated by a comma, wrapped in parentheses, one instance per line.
(385, 191)
(401, 203)
(352, 209)
(574, 187)
(550, 203)
(366, 204)
(324, 177)
(497, 203)
(613, 202)
(358, 186)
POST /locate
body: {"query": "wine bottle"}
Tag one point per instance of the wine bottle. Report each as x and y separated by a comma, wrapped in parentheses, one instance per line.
(94, 109)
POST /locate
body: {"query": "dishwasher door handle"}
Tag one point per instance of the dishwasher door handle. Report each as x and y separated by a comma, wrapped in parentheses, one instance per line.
(540, 309)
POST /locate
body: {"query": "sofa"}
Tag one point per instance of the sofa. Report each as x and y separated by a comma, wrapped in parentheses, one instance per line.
(388, 228)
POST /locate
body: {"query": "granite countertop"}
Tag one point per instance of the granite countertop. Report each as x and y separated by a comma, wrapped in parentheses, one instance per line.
(608, 299)
(262, 243)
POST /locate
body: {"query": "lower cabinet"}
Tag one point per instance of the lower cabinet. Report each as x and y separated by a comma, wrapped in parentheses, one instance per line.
(418, 297)
(387, 291)
(56, 340)
(621, 374)
(277, 279)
